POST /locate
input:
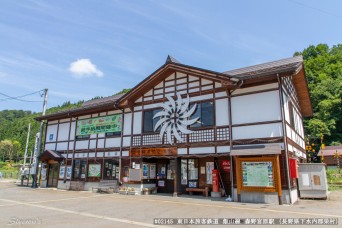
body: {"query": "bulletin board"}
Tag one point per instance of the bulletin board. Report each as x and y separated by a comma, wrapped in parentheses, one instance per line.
(258, 174)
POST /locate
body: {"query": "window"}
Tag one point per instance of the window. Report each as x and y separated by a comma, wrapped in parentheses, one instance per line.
(205, 113)
(149, 122)
(189, 172)
(291, 111)
(80, 167)
(193, 169)
(111, 169)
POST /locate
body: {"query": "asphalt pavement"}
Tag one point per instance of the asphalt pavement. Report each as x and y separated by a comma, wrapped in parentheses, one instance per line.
(27, 207)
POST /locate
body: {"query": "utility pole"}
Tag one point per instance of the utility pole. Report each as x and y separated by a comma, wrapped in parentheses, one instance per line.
(27, 141)
(39, 142)
(23, 172)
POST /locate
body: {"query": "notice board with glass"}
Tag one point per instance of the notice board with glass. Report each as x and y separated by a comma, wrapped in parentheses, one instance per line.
(258, 174)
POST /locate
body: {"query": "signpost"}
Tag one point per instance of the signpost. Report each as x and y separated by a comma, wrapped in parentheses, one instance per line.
(226, 165)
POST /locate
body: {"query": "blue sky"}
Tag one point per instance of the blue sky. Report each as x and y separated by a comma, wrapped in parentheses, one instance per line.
(82, 49)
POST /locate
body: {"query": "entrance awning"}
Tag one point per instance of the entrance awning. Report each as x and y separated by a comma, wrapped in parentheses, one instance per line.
(50, 155)
(256, 150)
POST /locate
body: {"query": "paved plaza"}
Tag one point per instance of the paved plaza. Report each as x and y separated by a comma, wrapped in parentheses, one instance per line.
(57, 208)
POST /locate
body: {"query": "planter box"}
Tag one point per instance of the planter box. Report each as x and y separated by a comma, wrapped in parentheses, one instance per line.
(124, 192)
(132, 193)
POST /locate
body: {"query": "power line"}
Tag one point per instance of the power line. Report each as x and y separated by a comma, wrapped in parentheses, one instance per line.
(317, 9)
(18, 97)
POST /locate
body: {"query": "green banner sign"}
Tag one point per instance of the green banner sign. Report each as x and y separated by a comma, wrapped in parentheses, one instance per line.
(97, 125)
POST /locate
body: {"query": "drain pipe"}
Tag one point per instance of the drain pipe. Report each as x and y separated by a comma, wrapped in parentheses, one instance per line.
(231, 137)
(121, 143)
(285, 137)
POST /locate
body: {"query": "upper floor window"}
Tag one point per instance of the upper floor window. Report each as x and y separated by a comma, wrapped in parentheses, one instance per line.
(149, 122)
(205, 113)
(291, 113)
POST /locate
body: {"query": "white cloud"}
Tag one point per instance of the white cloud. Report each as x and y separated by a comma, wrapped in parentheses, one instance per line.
(84, 68)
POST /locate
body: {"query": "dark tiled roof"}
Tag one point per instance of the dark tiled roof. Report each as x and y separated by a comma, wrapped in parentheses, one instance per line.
(88, 105)
(102, 100)
(50, 154)
(278, 66)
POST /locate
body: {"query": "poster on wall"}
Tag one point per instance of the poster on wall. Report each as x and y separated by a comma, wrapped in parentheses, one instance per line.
(161, 183)
(98, 125)
(163, 170)
(94, 170)
(209, 169)
(152, 171)
(258, 174)
(69, 172)
(145, 170)
(43, 173)
(61, 172)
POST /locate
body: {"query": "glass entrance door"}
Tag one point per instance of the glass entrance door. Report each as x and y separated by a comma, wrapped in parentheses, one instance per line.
(53, 175)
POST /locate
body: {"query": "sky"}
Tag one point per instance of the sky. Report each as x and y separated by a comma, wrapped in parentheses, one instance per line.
(81, 49)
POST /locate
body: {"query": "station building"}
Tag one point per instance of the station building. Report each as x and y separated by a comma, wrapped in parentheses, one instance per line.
(172, 129)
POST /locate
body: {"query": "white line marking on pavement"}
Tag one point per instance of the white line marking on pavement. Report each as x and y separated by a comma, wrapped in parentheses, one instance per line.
(233, 207)
(85, 214)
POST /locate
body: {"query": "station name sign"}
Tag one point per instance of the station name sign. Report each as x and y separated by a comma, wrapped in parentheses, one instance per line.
(153, 152)
(99, 125)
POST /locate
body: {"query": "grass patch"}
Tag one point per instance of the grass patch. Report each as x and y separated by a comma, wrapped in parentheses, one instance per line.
(334, 179)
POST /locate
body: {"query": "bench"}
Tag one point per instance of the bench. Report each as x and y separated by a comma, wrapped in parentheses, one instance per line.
(150, 190)
(108, 186)
(205, 191)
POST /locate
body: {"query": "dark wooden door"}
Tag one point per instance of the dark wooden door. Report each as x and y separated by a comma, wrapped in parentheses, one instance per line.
(165, 182)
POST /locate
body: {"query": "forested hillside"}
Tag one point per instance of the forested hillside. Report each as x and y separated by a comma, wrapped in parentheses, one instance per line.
(323, 67)
(14, 127)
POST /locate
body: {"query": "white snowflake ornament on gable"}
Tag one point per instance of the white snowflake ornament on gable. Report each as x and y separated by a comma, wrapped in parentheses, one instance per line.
(174, 118)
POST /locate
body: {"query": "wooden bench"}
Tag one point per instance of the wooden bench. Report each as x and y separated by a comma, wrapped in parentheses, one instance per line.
(108, 186)
(205, 191)
(150, 190)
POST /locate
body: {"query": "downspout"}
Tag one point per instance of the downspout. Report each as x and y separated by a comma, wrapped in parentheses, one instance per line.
(285, 136)
(231, 137)
(73, 151)
(121, 142)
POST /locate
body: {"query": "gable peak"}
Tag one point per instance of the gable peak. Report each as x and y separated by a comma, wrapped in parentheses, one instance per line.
(170, 59)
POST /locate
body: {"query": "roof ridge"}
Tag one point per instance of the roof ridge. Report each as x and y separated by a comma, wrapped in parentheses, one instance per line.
(260, 66)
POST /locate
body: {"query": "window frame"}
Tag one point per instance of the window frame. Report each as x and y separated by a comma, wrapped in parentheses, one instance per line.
(199, 104)
(153, 121)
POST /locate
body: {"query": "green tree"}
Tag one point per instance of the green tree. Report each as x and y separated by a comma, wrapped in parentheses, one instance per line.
(323, 67)
(9, 149)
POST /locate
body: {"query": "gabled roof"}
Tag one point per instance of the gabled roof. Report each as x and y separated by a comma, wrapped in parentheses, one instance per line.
(330, 151)
(171, 67)
(283, 67)
(251, 76)
(279, 66)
